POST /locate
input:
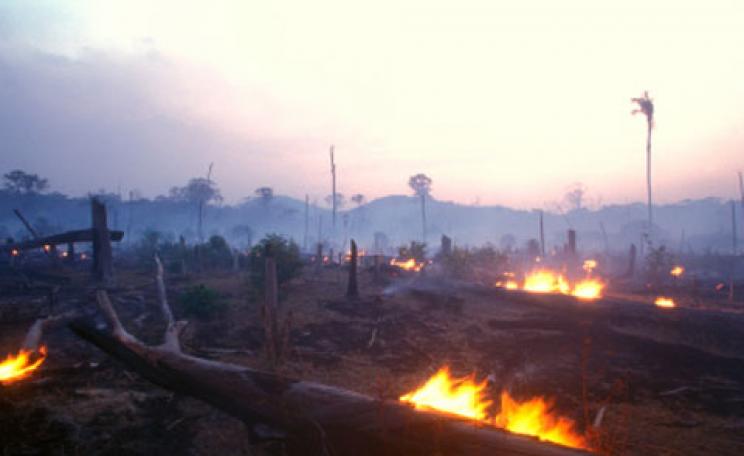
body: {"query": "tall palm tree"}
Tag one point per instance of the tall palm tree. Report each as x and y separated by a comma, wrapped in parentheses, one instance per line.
(646, 107)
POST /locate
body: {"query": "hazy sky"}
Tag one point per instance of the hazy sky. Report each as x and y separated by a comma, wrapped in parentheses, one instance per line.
(501, 102)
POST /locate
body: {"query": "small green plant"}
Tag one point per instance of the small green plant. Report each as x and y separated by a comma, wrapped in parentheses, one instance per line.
(201, 301)
(285, 252)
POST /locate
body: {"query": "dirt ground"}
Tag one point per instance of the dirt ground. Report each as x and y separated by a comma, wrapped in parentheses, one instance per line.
(671, 381)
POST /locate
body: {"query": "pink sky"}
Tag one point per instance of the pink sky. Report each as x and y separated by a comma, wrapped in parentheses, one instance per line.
(501, 104)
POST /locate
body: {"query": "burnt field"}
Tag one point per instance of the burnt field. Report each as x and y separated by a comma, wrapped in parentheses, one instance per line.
(636, 379)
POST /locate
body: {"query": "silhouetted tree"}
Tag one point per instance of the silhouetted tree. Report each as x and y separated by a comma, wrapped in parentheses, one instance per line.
(358, 199)
(421, 186)
(23, 183)
(576, 196)
(265, 195)
(199, 191)
(340, 200)
(646, 107)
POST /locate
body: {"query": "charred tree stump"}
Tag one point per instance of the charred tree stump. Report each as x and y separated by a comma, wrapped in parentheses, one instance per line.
(631, 261)
(318, 257)
(572, 242)
(352, 289)
(103, 268)
(70, 258)
(446, 246)
(276, 334)
(377, 278)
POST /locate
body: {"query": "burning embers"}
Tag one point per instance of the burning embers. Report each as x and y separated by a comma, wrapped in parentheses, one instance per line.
(464, 397)
(665, 302)
(20, 366)
(408, 265)
(547, 281)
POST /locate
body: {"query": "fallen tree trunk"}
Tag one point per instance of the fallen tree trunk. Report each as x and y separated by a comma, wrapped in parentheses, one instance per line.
(310, 418)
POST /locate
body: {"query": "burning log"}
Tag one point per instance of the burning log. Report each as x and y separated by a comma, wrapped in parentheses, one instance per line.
(352, 290)
(310, 418)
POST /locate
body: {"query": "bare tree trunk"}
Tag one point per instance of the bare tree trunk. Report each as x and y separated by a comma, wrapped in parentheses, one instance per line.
(648, 179)
(103, 269)
(423, 217)
(333, 191)
(199, 215)
(352, 289)
(307, 223)
(572, 242)
(542, 236)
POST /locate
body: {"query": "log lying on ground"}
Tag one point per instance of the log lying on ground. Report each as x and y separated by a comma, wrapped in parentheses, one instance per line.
(310, 418)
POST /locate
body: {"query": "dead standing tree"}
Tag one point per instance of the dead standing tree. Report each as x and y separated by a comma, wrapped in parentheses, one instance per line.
(646, 107)
(309, 418)
(352, 289)
(276, 333)
(103, 269)
(333, 189)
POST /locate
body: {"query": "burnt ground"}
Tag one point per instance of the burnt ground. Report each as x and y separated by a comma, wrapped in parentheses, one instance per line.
(671, 381)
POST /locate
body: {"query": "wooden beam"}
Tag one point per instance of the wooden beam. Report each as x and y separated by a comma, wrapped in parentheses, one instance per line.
(67, 237)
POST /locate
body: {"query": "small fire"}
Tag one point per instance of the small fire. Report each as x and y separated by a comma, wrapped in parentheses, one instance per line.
(545, 281)
(588, 289)
(677, 271)
(589, 265)
(15, 252)
(442, 392)
(47, 248)
(534, 417)
(464, 397)
(665, 302)
(408, 265)
(21, 365)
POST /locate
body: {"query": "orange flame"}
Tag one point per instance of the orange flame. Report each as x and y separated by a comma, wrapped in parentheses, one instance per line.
(663, 301)
(534, 417)
(442, 392)
(20, 366)
(545, 281)
(589, 265)
(588, 289)
(677, 271)
(464, 397)
(408, 265)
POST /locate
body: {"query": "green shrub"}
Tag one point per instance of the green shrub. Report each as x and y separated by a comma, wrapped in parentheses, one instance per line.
(285, 252)
(201, 301)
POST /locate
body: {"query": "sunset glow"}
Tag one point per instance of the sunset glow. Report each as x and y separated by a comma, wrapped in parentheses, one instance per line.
(398, 88)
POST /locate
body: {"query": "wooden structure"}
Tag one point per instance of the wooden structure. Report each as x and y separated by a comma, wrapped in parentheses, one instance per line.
(99, 235)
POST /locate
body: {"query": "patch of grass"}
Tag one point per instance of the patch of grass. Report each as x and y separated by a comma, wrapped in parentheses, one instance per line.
(201, 301)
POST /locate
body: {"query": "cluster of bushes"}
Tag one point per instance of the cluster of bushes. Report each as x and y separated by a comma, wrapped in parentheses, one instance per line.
(179, 257)
(474, 263)
(201, 302)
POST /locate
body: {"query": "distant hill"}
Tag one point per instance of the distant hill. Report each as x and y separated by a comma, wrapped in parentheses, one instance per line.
(691, 224)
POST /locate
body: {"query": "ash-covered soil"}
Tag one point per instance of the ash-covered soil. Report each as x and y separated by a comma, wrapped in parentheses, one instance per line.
(670, 381)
